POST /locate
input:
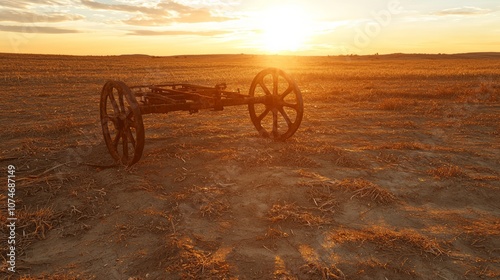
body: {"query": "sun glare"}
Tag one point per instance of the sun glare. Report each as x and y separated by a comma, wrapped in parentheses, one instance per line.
(284, 28)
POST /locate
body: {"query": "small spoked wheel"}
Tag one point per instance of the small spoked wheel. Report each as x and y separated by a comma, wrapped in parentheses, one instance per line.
(281, 113)
(121, 122)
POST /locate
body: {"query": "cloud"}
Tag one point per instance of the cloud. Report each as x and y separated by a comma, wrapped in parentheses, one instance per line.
(162, 13)
(123, 8)
(462, 11)
(175, 33)
(194, 17)
(27, 17)
(20, 4)
(36, 29)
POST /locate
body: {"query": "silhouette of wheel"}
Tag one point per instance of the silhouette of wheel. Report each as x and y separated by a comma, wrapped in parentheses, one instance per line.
(121, 122)
(281, 114)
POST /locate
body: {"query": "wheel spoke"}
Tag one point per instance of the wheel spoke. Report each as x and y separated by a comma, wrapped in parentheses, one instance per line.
(275, 123)
(275, 83)
(132, 123)
(125, 147)
(264, 87)
(287, 91)
(263, 115)
(113, 102)
(290, 105)
(117, 139)
(130, 119)
(122, 104)
(106, 119)
(285, 116)
(131, 137)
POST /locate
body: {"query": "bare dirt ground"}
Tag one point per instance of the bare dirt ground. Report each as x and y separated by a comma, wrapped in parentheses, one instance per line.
(393, 174)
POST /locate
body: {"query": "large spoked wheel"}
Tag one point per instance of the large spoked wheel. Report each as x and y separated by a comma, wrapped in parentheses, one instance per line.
(281, 113)
(121, 122)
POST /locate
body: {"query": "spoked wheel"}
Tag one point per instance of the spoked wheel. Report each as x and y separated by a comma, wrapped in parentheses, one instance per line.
(121, 122)
(280, 115)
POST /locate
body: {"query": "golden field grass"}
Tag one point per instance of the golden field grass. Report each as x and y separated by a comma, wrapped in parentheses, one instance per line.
(393, 174)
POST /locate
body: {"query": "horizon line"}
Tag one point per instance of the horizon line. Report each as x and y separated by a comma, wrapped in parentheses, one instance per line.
(253, 54)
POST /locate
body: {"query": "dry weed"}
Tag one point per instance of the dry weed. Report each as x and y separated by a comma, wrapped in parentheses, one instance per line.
(310, 147)
(365, 189)
(323, 197)
(374, 264)
(322, 189)
(31, 225)
(123, 232)
(348, 161)
(61, 127)
(447, 171)
(289, 211)
(58, 276)
(312, 175)
(393, 104)
(280, 271)
(323, 271)
(482, 269)
(316, 267)
(298, 160)
(480, 232)
(405, 146)
(164, 220)
(486, 91)
(194, 263)
(445, 92)
(35, 223)
(274, 233)
(210, 201)
(51, 277)
(406, 240)
(214, 208)
(318, 180)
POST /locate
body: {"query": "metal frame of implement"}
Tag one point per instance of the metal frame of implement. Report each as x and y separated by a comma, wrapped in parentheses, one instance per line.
(273, 96)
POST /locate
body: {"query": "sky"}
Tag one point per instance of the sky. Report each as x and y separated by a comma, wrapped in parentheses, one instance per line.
(314, 27)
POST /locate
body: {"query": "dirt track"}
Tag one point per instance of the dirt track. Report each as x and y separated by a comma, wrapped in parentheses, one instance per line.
(393, 174)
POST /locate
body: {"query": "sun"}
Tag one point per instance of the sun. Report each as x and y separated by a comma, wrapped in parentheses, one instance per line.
(284, 28)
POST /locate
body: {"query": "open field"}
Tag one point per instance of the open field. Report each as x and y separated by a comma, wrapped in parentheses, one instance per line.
(393, 174)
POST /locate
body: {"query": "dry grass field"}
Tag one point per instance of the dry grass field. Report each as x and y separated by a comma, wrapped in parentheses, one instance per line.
(393, 174)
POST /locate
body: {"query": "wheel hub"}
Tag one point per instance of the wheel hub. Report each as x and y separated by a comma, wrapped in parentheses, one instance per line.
(121, 122)
(273, 101)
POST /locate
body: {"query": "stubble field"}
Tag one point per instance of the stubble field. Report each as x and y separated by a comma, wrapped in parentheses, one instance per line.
(393, 174)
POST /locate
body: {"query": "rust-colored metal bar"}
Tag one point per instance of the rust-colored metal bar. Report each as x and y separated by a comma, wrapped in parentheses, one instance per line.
(172, 85)
(164, 98)
(195, 106)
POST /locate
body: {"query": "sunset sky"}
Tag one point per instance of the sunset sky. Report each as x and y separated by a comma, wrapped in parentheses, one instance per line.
(314, 27)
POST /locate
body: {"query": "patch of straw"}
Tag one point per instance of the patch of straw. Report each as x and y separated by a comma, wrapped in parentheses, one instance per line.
(289, 211)
(194, 263)
(448, 171)
(404, 240)
(364, 189)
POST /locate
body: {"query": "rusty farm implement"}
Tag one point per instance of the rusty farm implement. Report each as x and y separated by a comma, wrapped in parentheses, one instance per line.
(274, 102)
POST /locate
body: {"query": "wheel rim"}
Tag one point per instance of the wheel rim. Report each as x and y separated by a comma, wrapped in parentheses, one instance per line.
(281, 114)
(121, 121)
